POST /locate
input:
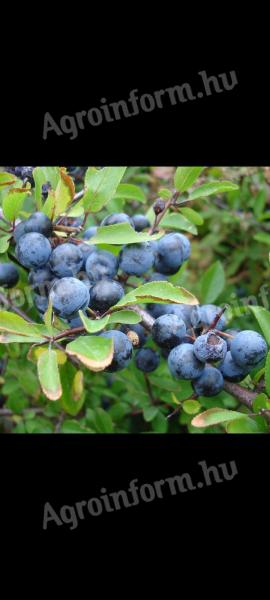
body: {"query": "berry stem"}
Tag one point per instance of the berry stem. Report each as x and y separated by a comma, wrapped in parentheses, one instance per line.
(160, 216)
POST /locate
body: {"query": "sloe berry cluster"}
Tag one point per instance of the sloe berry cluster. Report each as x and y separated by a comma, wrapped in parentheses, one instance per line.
(75, 275)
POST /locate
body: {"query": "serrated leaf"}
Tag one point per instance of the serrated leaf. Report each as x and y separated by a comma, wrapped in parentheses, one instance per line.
(263, 317)
(192, 215)
(212, 187)
(214, 416)
(101, 185)
(13, 203)
(177, 221)
(160, 423)
(185, 177)
(4, 243)
(212, 283)
(128, 191)
(35, 352)
(48, 375)
(95, 352)
(162, 292)
(121, 233)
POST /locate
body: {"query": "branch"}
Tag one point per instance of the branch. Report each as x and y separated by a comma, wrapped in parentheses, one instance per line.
(147, 321)
(244, 396)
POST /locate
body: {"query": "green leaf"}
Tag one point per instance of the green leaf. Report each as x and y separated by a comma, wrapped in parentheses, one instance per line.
(214, 416)
(177, 221)
(130, 192)
(160, 423)
(212, 187)
(191, 407)
(48, 375)
(192, 215)
(185, 177)
(4, 243)
(72, 426)
(103, 421)
(16, 327)
(13, 203)
(212, 283)
(7, 179)
(267, 374)
(121, 233)
(243, 425)
(129, 317)
(58, 200)
(164, 193)
(260, 402)
(157, 291)
(101, 186)
(95, 352)
(48, 318)
(42, 175)
(93, 325)
(264, 238)
(73, 395)
(149, 413)
(263, 317)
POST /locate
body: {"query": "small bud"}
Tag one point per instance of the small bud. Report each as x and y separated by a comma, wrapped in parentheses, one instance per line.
(159, 206)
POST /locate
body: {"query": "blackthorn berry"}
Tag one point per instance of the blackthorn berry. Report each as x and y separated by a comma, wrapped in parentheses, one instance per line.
(147, 360)
(104, 294)
(38, 222)
(122, 350)
(9, 275)
(83, 277)
(172, 250)
(210, 347)
(66, 260)
(248, 348)
(136, 259)
(168, 331)
(86, 250)
(41, 280)
(183, 363)
(101, 265)
(209, 383)
(139, 332)
(41, 303)
(90, 232)
(140, 222)
(232, 332)
(33, 250)
(69, 295)
(115, 218)
(231, 371)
